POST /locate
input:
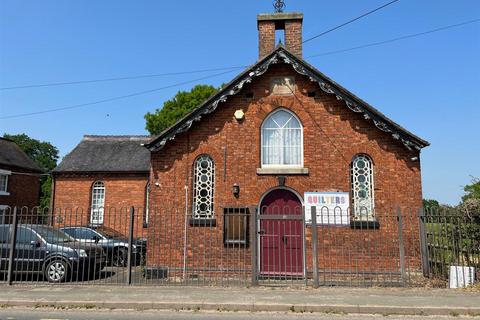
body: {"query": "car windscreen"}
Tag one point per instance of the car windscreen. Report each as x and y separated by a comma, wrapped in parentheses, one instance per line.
(52, 235)
(109, 233)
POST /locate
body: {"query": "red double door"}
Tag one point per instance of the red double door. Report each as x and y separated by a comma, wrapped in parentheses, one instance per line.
(281, 234)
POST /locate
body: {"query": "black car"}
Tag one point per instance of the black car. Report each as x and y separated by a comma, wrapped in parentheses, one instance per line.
(113, 243)
(51, 252)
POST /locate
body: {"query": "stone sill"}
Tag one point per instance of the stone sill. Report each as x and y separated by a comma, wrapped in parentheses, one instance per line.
(3, 193)
(282, 171)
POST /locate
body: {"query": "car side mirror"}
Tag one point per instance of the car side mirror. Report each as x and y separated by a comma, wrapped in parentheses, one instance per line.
(96, 239)
(35, 244)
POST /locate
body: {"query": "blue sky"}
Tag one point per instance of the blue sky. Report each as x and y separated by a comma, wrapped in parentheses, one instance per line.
(430, 84)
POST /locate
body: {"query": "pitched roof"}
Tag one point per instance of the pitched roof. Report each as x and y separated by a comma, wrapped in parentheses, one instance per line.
(12, 155)
(282, 55)
(107, 154)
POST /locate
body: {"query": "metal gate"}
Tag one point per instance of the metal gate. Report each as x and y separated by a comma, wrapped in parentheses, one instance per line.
(279, 254)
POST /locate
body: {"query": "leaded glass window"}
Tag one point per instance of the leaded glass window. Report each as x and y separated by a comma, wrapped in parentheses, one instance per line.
(203, 187)
(362, 187)
(98, 203)
(282, 140)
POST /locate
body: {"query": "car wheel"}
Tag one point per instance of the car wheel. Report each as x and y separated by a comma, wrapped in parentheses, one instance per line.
(56, 271)
(120, 256)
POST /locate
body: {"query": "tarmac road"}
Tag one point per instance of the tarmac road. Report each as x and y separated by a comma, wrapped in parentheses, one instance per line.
(82, 314)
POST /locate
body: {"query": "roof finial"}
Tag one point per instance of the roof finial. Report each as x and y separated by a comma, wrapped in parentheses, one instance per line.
(279, 5)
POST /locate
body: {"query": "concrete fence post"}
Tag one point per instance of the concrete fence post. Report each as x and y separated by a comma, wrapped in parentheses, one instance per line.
(254, 228)
(401, 247)
(13, 241)
(130, 244)
(315, 247)
(423, 243)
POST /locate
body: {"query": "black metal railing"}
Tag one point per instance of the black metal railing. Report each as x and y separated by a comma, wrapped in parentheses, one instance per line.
(236, 247)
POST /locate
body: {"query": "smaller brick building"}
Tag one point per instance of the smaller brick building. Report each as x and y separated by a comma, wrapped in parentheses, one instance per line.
(19, 179)
(100, 179)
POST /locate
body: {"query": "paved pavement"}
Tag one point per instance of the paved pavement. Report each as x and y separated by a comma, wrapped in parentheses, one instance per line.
(42, 314)
(324, 300)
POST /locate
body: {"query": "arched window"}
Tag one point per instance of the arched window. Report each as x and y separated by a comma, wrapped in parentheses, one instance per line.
(203, 187)
(282, 140)
(98, 203)
(362, 187)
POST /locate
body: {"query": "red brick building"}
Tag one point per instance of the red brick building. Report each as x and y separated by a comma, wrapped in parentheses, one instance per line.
(19, 179)
(231, 179)
(100, 180)
(280, 134)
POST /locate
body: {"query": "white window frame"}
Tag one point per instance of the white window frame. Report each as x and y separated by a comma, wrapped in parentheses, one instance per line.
(96, 210)
(3, 213)
(6, 174)
(196, 189)
(147, 204)
(358, 213)
(282, 166)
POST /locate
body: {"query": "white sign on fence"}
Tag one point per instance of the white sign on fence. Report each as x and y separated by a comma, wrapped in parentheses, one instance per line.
(333, 208)
(461, 277)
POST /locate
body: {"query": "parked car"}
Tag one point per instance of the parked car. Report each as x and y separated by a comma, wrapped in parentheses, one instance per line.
(114, 243)
(44, 249)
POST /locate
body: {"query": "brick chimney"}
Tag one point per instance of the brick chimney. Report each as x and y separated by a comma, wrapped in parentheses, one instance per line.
(291, 23)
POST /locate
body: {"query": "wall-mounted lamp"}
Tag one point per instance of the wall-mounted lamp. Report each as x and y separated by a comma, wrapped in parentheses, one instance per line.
(414, 159)
(236, 190)
(239, 115)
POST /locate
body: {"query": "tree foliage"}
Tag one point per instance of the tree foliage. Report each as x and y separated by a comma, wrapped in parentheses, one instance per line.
(430, 204)
(469, 210)
(45, 155)
(472, 191)
(177, 107)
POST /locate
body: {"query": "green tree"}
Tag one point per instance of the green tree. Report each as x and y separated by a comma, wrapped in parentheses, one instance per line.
(472, 191)
(468, 231)
(45, 155)
(430, 204)
(177, 107)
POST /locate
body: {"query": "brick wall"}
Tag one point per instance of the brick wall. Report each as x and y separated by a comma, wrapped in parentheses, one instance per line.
(266, 37)
(333, 135)
(72, 199)
(293, 36)
(291, 27)
(24, 188)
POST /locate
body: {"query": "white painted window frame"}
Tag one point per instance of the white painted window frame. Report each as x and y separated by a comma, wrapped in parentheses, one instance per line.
(6, 174)
(282, 166)
(101, 209)
(357, 211)
(3, 211)
(197, 188)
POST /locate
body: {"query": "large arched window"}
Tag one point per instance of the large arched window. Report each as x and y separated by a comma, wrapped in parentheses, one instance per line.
(362, 187)
(282, 140)
(203, 187)
(98, 203)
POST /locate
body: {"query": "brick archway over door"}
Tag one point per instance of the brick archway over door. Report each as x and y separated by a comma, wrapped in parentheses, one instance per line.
(281, 236)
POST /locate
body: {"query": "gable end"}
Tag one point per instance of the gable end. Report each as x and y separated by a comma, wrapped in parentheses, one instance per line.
(282, 55)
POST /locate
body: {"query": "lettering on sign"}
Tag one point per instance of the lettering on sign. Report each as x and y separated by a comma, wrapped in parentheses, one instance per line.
(333, 208)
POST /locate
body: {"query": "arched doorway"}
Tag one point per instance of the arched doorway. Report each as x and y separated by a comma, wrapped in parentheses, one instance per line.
(281, 233)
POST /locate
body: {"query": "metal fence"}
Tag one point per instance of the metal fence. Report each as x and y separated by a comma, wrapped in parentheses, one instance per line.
(452, 244)
(238, 247)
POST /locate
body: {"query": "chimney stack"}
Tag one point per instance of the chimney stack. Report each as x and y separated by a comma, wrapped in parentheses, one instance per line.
(291, 23)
